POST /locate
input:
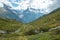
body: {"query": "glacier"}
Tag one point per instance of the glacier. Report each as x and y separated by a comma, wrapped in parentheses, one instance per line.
(27, 11)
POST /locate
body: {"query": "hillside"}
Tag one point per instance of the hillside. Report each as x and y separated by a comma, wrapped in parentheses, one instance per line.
(45, 28)
(53, 16)
(10, 25)
(50, 20)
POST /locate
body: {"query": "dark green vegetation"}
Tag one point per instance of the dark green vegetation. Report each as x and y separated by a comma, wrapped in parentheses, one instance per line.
(45, 28)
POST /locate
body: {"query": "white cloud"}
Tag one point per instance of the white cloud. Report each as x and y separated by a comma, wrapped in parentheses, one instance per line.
(21, 16)
(1, 5)
(23, 5)
(40, 4)
(6, 2)
(43, 5)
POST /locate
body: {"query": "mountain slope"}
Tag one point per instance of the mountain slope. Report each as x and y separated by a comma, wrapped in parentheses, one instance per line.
(7, 14)
(10, 25)
(44, 23)
(48, 19)
(37, 30)
(48, 27)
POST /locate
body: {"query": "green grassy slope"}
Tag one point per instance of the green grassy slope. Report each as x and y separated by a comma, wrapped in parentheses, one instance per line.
(50, 20)
(45, 23)
(52, 17)
(37, 30)
(10, 25)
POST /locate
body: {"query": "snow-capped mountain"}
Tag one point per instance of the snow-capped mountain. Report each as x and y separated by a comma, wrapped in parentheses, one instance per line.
(25, 16)
(27, 10)
(4, 13)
